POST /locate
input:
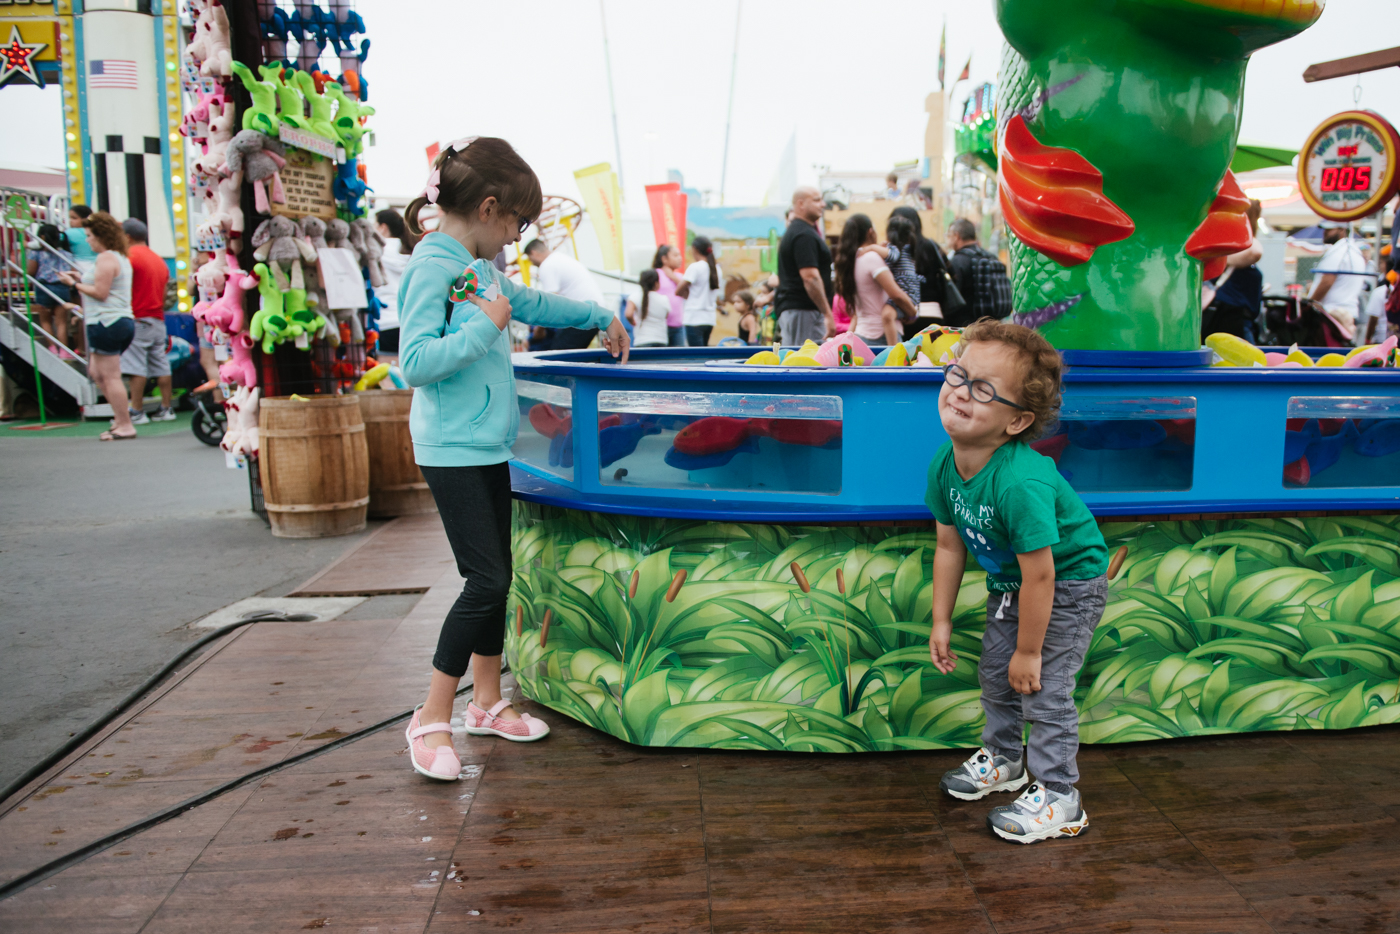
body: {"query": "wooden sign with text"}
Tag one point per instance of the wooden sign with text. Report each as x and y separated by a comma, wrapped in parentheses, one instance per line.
(307, 180)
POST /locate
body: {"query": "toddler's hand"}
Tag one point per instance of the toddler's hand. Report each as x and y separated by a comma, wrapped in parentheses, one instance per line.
(943, 658)
(498, 310)
(1024, 672)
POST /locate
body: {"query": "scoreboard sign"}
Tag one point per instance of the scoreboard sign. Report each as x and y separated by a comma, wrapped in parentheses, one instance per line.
(1348, 169)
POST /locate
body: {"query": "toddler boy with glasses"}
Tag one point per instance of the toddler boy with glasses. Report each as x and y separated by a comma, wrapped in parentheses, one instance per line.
(1046, 561)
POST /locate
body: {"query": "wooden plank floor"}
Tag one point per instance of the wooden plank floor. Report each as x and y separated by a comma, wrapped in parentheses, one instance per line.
(582, 833)
(405, 555)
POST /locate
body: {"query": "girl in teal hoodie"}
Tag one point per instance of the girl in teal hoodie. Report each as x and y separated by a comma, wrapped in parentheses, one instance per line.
(455, 351)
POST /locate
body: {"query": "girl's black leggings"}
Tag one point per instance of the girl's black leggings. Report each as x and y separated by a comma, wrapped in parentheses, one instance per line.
(474, 503)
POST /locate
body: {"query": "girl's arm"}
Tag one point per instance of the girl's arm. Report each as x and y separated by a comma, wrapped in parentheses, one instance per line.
(896, 294)
(631, 312)
(949, 560)
(426, 352)
(552, 311)
(1036, 599)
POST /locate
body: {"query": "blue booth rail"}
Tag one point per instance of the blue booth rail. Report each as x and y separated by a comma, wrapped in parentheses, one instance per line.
(697, 434)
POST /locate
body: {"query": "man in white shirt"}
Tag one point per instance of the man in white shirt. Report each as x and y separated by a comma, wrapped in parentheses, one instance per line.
(1338, 278)
(563, 275)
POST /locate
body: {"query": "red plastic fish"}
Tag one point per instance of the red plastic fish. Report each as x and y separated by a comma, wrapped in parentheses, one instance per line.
(1051, 447)
(1052, 198)
(1297, 472)
(711, 435)
(1182, 429)
(812, 432)
(549, 422)
(609, 421)
(1225, 230)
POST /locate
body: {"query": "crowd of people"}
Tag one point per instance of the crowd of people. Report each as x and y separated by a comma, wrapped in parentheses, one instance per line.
(105, 268)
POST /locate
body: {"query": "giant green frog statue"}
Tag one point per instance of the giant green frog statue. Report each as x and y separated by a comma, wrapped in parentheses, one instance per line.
(1117, 121)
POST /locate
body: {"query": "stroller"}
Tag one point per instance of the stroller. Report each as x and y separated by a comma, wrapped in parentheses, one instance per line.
(1300, 321)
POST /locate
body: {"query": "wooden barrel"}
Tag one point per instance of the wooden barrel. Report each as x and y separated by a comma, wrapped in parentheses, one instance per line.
(315, 469)
(396, 485)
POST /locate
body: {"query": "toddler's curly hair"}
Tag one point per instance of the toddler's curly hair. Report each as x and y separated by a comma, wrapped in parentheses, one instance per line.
(1040, 365)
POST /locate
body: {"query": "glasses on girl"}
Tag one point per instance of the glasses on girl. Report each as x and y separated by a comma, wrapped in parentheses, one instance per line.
(980, 389)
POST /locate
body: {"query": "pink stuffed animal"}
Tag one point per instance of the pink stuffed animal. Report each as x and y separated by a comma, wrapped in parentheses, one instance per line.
(1374, 355)
(222, 118)
(241, 435)
(229, 213)
(210, 46)
(826, 356)
(241, 369)
(209, 277)
(226, 314)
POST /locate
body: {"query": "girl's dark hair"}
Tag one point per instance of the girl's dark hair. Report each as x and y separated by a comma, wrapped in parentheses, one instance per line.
(928, 259)
(853, 237)
(82, 210)
(746, 297)
(50, 234)
(649, 279)
(397, 229)
(900, 232)
(703, 246)
(487, 167)
(662, 252)
(107, 230)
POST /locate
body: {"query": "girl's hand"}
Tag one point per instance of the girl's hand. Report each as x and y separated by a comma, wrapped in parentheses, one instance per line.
(944, 659)
(1024, 672)
(67, 277)
(498, 310)
(615, 340)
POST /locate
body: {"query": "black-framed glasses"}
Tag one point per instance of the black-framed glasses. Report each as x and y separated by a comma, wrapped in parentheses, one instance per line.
(525, 222)
(980, 389)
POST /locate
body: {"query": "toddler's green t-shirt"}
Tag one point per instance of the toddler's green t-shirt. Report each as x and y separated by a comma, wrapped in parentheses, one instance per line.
(1015, 504)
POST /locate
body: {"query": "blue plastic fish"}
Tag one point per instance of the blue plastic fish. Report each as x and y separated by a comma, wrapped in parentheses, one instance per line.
(1324, 450)
(617, 442)
(681, 461)
(1380, 438)
(561, 450)
(1116, 434)
(1295, 443)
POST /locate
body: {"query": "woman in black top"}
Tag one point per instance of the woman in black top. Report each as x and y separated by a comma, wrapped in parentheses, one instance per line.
(931, 264)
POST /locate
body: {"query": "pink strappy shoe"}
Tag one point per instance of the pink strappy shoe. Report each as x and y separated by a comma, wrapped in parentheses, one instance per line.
(439, 762)
(486, 723)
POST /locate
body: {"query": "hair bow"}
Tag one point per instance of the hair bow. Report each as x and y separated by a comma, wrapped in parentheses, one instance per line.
(430, 191)
(460, 144)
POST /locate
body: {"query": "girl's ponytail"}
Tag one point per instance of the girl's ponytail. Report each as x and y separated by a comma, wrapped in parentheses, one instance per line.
(648, 279)
(706, 249)
(468, 171)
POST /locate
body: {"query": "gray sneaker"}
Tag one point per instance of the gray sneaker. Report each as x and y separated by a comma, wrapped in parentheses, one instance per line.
(164, 414)
(138, 418)
(983, 774)
(1038, 815)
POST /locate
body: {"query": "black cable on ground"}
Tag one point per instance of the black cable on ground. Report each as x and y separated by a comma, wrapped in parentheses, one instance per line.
(140, 691)
(15, 886)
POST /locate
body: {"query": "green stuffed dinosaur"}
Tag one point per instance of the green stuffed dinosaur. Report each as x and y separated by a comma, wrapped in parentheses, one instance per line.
(1117, 123)
(262, 116)
(300, 316)
(320, 105)
(270, 324)
(347, 119)
(290, 103)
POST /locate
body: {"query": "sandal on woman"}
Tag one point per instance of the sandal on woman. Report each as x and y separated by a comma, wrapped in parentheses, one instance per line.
(111, 435)
(439, 762)
(480, 722)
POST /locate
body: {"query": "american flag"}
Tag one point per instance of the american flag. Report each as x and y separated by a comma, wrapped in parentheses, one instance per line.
(112, 73)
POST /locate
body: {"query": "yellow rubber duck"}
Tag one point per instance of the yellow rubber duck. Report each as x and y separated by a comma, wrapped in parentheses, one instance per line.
(1331, 359)
(373, 377)
(1297, 356)
(764, 358)
(898, 356)
(1235, 351)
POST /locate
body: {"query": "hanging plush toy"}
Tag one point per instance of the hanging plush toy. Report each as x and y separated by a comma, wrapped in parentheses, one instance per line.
(226, 313)
(374, 251)
(276, 242)
(228, 215)
(270, 324)
(262, 116)
(347, 119)
(349, 189)
(220, 133)
(210, 46)
(320, 105)
(259, 157)
(291, 105)
(240, 368)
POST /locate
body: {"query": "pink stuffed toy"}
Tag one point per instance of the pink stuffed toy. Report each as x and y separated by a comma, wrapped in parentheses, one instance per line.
(229, 213)
(241, 435)
(826, 356)
(222, 117)
(210, 46)
(226, 314)
(241, 369)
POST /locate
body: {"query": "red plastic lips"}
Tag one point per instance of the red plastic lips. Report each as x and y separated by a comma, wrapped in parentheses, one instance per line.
(1224, 231)
(1053, 199)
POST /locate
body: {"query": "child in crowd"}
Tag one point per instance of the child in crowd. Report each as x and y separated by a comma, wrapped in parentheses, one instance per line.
(899, 252)
(1045, 560)
(750, 323)
(652, 309)
(455, 351)
(55, 298)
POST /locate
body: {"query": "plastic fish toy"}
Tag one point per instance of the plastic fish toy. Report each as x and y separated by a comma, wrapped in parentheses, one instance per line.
(619, 441)
(1380, 438)
(549, 421)
(813, 432)
(1052, 447)
(711, 435)
(1236, 351)
(561, 450)
(1116, 434)
(683, 461)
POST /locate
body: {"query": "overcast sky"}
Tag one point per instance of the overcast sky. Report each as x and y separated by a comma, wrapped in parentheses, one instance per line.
(849, 78)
